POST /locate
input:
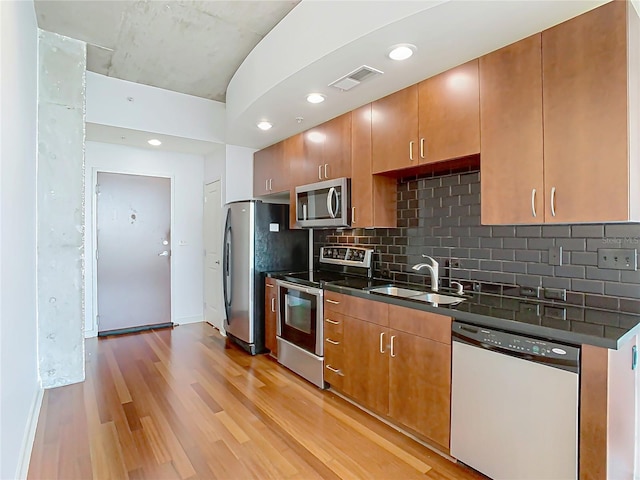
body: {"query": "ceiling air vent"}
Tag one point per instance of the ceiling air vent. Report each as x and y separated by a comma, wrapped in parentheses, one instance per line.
(355, 78)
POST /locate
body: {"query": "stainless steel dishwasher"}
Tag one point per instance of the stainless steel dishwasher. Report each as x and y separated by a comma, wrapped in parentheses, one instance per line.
(514, 405)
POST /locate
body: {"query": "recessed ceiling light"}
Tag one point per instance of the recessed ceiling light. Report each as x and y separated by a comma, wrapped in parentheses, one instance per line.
(264, 125)
(401, 51)
(315, 98)
(155, 142)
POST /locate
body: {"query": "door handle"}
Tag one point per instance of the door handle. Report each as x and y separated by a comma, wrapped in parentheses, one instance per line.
(533, 202)
(411, 150)
(319, 172)
(164, 254)
(330, 195)
(553, 201)
(217, 262)
(422, 147)
(273, 305)
(382, 342)
(393, 346)
(326, 165)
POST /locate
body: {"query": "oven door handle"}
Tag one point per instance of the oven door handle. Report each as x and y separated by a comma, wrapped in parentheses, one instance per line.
(300, 288)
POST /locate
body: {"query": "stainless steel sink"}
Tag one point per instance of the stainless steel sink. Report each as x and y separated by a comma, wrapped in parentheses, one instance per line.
(397, 291)
(438, 299)
(429, 297)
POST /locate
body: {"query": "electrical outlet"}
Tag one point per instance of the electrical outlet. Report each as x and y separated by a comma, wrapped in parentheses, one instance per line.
(618, 258)
(555, 256)
(558, 313)
(555, 293)
(455, 263)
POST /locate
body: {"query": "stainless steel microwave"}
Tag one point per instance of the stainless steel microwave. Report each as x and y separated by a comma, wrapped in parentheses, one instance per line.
(324, 204)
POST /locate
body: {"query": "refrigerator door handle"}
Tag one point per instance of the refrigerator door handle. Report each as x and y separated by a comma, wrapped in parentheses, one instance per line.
(226, 268)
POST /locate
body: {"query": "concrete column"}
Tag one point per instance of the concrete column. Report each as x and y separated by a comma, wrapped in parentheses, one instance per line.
(60, 208)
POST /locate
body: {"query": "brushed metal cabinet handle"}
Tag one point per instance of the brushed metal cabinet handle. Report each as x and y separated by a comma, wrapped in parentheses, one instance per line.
(533, 202)
(334, 370)
(273, 305)
(332, 322)
(332, 342)
(553, 201)
(353, 215)
(266, 185)
(382, 342)
(326, 165)
(411, 150)
(271, 184)
(332, 301)
(393, 346)
(422, 147)
(319, 172)
(270, 286)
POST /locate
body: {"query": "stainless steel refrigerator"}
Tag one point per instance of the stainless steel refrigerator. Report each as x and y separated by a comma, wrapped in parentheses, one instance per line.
(257, 239)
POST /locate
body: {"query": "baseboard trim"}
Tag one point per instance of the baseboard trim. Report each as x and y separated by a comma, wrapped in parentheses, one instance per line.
(192, 319)
(30, 435)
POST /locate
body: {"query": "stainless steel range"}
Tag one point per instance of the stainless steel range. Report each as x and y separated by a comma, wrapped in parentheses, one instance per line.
(300, 307)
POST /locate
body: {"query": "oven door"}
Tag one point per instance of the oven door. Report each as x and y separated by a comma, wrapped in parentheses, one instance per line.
(300, 316)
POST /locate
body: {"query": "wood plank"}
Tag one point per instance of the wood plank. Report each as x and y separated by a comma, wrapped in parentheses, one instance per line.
(200, 410)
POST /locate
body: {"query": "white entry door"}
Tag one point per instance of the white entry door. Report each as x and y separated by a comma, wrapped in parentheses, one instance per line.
(133, 251)
(213, 254)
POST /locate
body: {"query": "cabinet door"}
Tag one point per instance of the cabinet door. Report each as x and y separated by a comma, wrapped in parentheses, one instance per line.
(336, 154)
(584, 69)
(270, 316)
(511, 129)
(394, 131)
(366, 376)
(449, 114)
(327, 151)
(373, 197)
(420, 385)
(270, 172)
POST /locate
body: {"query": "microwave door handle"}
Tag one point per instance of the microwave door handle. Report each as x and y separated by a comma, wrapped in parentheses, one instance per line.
(332, 193)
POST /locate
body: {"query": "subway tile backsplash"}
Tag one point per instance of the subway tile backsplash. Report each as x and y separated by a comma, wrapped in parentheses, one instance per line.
(440, 216)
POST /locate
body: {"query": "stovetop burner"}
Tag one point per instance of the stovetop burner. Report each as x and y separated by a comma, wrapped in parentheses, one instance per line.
(346, 266)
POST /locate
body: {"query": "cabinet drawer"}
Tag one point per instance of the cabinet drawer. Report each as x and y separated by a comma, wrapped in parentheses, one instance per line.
(422, 324)
(334, 364)
(333, 325)
(368, 310)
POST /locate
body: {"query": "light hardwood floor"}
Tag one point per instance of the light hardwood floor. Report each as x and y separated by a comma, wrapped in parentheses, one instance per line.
(176, 403)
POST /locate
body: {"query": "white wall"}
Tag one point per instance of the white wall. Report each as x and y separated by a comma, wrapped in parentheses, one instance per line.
(187, 172)
(239, 173)
(20, 393)
(152, 109)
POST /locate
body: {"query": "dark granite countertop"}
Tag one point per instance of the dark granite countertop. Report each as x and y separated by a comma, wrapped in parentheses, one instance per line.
(581, 325)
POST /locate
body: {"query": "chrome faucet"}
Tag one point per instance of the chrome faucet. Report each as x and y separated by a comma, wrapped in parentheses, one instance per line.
(432, 266)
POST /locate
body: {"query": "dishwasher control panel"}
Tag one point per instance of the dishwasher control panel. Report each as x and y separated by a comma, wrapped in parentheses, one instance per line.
(511, 342)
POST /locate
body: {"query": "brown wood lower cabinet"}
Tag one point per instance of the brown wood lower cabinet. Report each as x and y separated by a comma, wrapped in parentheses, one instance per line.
(270, 315)
(395, 362)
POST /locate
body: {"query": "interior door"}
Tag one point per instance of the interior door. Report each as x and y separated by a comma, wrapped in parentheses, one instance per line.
(133, 251)
(213, 254)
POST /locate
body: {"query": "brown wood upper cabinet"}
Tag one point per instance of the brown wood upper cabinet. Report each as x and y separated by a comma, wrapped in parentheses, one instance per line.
(563, 106)
(270, 171)
(373, 197)
(327, 152)
(435, 120)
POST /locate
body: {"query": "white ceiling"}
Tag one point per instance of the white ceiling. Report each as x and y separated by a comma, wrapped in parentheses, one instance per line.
(216, 49)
